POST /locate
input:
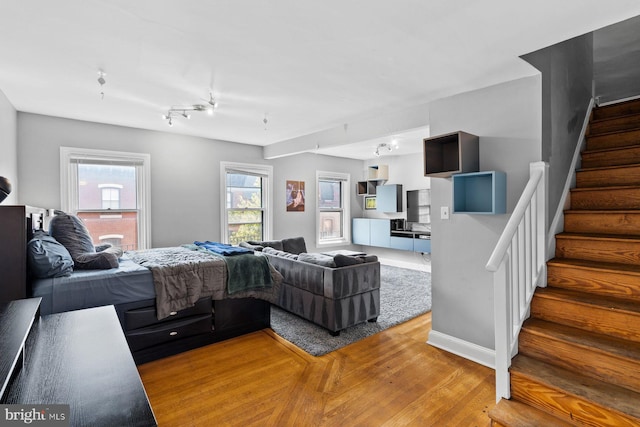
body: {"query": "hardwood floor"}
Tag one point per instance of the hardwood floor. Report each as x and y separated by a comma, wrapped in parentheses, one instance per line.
(392, 378)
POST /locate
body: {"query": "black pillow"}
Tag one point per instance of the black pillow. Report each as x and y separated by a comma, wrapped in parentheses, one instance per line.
(344, 260)
(47, 257)
(73, 234)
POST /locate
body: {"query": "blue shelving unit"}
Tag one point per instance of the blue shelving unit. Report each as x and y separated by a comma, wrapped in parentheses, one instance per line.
(480, 193)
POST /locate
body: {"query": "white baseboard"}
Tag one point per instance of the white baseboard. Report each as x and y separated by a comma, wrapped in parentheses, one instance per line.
(424, 266)
(473, 352)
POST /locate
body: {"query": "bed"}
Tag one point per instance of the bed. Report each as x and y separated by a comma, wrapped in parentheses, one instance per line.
(168, 300)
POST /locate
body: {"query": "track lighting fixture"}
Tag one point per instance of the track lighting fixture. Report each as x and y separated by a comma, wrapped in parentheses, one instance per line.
(209, 107)
(385, 147)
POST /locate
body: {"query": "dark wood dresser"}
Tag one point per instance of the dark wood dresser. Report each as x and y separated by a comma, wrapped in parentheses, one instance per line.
(79, 358)
(13, 253)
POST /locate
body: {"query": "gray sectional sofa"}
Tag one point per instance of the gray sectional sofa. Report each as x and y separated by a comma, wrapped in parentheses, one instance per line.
(334, 291)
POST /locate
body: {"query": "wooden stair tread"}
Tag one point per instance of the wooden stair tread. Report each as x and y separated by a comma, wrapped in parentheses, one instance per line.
(610, 303)
(611, 396)
(517, 414)
(605, 168)
(606, 188)
(596, 236)
(591, 341)
(611, 149)
(602, 211)
(624, 116)
(596, 265)
(617, 108)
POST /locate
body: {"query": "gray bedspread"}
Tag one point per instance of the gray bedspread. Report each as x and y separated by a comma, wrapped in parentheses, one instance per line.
(182, 276)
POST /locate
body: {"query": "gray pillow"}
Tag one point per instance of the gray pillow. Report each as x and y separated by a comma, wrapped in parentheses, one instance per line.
(294, 245)
(47, 257)
(281, 254)
(344, 260)
(73, 234)
(319, 259)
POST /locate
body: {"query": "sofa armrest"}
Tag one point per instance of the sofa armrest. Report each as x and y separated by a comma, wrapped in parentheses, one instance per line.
(351, 280)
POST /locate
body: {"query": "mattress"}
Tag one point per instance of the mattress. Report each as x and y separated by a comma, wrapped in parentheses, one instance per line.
(93, 288)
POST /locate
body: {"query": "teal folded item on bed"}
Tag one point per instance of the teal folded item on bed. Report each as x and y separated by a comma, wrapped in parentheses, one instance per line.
(222, 248)
(247, 271)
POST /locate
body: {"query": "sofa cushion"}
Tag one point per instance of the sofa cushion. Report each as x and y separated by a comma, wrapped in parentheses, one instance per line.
(294, 245)
(282, 254)
(318, 259)
(344, 260)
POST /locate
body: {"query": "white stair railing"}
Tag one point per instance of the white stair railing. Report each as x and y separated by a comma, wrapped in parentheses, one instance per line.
(518, 263)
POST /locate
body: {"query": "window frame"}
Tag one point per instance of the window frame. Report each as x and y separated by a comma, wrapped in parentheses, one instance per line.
(69, 197)
(266, 172)
(345, 190)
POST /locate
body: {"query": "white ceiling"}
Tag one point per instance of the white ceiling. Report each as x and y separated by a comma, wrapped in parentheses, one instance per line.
(308, 66)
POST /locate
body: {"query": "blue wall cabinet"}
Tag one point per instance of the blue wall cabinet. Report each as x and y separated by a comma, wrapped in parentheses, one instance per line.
(402, 243)
(380, 232)
(360, 231)
(389, 198)
(480, 193)
(422, 245)
(377, 232)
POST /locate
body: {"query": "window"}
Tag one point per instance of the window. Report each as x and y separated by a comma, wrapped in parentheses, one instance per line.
(108, 191)
(110, 195)
(333, 226)
(247, 195)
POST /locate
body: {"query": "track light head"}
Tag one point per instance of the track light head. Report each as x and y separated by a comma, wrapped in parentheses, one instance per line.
(182, 110)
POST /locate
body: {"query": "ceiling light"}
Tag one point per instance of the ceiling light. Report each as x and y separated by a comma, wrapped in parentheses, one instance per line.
(182, 110)
(381, 148)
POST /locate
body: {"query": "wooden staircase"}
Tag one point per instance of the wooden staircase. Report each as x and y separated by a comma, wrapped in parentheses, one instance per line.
(578, 359)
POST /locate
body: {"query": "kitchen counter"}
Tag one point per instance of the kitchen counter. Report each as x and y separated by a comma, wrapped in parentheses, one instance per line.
(411, 234)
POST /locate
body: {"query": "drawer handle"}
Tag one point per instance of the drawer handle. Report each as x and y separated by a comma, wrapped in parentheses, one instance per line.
(173, 333)
(173, 313)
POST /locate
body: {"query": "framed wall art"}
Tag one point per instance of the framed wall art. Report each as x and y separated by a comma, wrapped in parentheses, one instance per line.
(295, 196)
(370, 202)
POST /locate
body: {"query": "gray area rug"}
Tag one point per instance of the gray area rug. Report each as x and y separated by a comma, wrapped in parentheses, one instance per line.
(404, 294)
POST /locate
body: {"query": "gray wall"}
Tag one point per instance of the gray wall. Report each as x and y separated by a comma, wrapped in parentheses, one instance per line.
(507, 118)
(303, 167)
(185, 174)
(567, 76)
(9, 147)
(616, 61)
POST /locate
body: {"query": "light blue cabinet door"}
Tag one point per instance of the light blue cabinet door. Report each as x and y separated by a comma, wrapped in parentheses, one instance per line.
(389, 198)
(380, 232)
(422, 245)
(360, 231)
(402, 243)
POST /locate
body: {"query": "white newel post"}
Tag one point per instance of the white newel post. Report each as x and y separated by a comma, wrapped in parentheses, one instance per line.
(503, 315)
(519, 266)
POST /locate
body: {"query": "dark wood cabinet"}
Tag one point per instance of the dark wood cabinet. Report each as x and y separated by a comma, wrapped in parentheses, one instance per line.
(13, 253)
(205, 323)
(78, 358)
(449, 154)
